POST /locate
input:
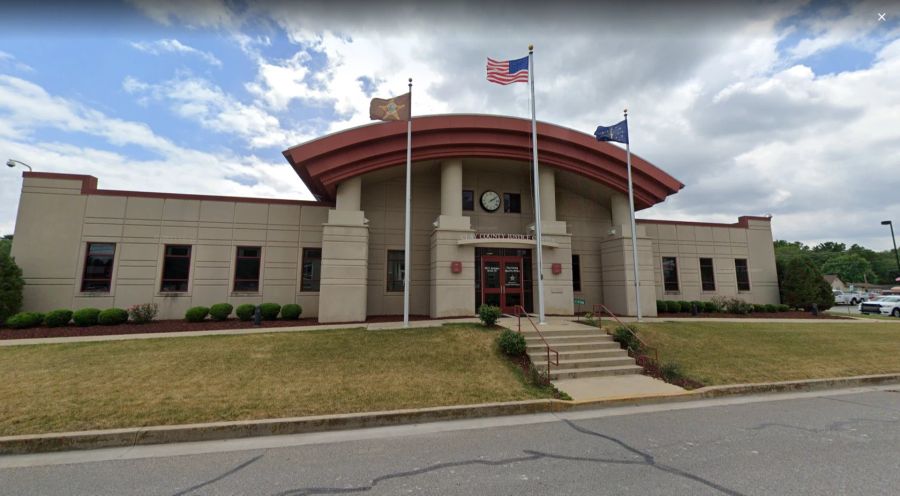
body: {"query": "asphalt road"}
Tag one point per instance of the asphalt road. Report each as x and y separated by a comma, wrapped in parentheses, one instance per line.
(845, 442)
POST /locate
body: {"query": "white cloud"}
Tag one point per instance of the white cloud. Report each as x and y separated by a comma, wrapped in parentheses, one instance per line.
(174, 46)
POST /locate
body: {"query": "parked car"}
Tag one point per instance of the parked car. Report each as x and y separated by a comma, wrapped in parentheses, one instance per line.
(886, 305)
(847, 297)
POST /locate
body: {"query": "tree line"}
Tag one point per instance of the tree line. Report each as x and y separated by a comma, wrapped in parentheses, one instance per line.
(856, 264)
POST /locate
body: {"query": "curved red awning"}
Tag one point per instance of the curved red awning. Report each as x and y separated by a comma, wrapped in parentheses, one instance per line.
(324, 162)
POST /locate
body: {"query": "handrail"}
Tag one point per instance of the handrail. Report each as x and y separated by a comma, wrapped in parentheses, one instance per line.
(516, 309)
(622, 324)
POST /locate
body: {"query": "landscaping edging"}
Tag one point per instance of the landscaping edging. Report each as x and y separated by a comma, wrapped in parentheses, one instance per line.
(83, 440)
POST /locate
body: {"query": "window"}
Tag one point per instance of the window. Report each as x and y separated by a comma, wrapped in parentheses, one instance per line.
(670, 273)
(98, 266)
(395, 270)
(176, 268)
(246, 271)
(512, 203)
(707, 274)
(468, 199)
(312, 269)
(576, 273)
(743, 275)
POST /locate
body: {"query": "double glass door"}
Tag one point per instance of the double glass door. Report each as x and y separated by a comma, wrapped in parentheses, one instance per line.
(502, 282)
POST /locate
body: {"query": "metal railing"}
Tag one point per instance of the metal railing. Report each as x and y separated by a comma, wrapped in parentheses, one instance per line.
(600, 308)
(520, 310)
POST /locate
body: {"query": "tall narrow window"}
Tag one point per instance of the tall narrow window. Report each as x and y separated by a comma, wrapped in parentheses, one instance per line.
(176, 268)
(512, 203)
(395, 270)
(246, 271)
(743, 275)
(312, 269)
(707, 274)
(98, 265)
(576, 272)
(670, 273)
(468, 199)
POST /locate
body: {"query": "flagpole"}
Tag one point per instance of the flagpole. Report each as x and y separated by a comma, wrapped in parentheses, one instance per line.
(634, 253)
(537, 192)
(406, 234)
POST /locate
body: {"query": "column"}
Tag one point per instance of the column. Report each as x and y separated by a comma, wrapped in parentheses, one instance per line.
(345, 255)
(452, 293)
(617, 262)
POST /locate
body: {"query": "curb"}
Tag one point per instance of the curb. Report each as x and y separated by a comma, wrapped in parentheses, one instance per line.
(138, 436)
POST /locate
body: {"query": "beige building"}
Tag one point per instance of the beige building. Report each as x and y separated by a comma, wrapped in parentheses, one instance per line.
(341, 257)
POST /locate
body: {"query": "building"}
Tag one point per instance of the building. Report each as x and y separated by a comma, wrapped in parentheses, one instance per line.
(341, 257)
(835, 282)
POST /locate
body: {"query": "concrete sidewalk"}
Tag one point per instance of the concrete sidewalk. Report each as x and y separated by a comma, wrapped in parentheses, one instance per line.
(374, 326)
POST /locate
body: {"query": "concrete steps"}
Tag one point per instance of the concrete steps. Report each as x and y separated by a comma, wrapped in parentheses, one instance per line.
(583, 352)
(539, 347)
(557, 374)
(586, 363)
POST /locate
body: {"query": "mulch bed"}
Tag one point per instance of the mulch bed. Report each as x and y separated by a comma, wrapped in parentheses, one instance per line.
(761, 315)
(176, 325)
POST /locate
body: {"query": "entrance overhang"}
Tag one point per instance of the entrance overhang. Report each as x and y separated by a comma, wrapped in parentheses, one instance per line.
(324, 162)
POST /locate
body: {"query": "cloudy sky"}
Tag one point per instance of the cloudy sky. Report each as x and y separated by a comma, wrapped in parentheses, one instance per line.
(789, 109)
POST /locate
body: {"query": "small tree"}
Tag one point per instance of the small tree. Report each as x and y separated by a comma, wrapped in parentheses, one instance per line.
(11, 284)
(802, 285)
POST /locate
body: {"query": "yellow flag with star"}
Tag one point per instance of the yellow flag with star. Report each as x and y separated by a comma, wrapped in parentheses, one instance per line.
(391, 109)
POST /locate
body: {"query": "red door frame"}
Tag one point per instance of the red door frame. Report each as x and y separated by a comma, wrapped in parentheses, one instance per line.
(502, 290)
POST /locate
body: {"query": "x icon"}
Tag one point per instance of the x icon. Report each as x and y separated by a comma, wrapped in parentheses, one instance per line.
(881, 16)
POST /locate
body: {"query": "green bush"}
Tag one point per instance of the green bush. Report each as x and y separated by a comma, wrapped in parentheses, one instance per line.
(245, 312)
(770, 308)
(673, 306)
(670, 372)
(733, 305)
(710, 307)
(757, 308)
(11, 284)
(143, 313)
(625, 335)
(112, 316)
(291, 311)
(783, 308)
(511, 343)
(196, 314)
(220, 311)
(488, 314)
(684, 306)
(661, 306)
(269, 311)
(699, 305)
(58, 318)
(803, 285)
(24, 320)
(86, 317)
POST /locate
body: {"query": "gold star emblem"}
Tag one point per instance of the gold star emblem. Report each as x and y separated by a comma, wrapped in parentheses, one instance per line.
(390, 110)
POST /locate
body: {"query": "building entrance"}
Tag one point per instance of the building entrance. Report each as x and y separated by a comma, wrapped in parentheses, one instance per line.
(503, 278)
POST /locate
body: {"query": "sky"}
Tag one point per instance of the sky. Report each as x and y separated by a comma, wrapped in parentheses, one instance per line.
(789, 109)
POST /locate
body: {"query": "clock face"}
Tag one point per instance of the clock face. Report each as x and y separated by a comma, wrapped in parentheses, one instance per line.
(490, 201)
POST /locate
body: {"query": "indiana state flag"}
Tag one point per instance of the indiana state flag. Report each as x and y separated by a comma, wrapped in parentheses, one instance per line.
(616, 132)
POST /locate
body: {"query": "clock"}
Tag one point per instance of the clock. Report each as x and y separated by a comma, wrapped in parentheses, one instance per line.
(490, 201)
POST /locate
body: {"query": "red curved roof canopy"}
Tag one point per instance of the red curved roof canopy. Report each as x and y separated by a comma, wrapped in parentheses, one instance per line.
(324, 162)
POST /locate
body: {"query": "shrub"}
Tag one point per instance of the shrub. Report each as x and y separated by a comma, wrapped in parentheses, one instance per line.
(86, 317)
(58, 318)
(196, 314)
(511, 343)
(684, 306)
(670, 372)
(757, 308)
(784, 308)
(269, 311)
(698, 304)
(625, 335)
(803, 285)
(220, 311)
(245, 312)
(770, 308)
(291, 311)
(143, 313)
(488, 314)
(710, 307)
(589, 319)
(11, 284)
(673, 307)
(24, 320)
(733, 305)
(660, 306)
(112, 316)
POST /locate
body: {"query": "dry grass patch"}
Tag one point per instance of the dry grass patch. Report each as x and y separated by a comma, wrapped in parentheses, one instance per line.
(735, 352)
(65, 387)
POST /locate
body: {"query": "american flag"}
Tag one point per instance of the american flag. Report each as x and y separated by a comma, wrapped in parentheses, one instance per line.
(507, 71)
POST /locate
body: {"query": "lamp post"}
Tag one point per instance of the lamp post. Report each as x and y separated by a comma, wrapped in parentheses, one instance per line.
(894, 239)
(12, 163)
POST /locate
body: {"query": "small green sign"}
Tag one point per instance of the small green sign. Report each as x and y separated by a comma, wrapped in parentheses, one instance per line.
(579, 301)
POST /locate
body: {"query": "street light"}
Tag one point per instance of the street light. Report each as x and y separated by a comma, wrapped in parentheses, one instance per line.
(894, 239)
(12, 163)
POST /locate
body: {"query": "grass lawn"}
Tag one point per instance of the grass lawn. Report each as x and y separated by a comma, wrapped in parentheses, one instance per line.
(65, 387)
(736, 352)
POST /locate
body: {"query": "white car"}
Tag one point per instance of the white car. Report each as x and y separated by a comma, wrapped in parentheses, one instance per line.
(846, 297)
(886, 305)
